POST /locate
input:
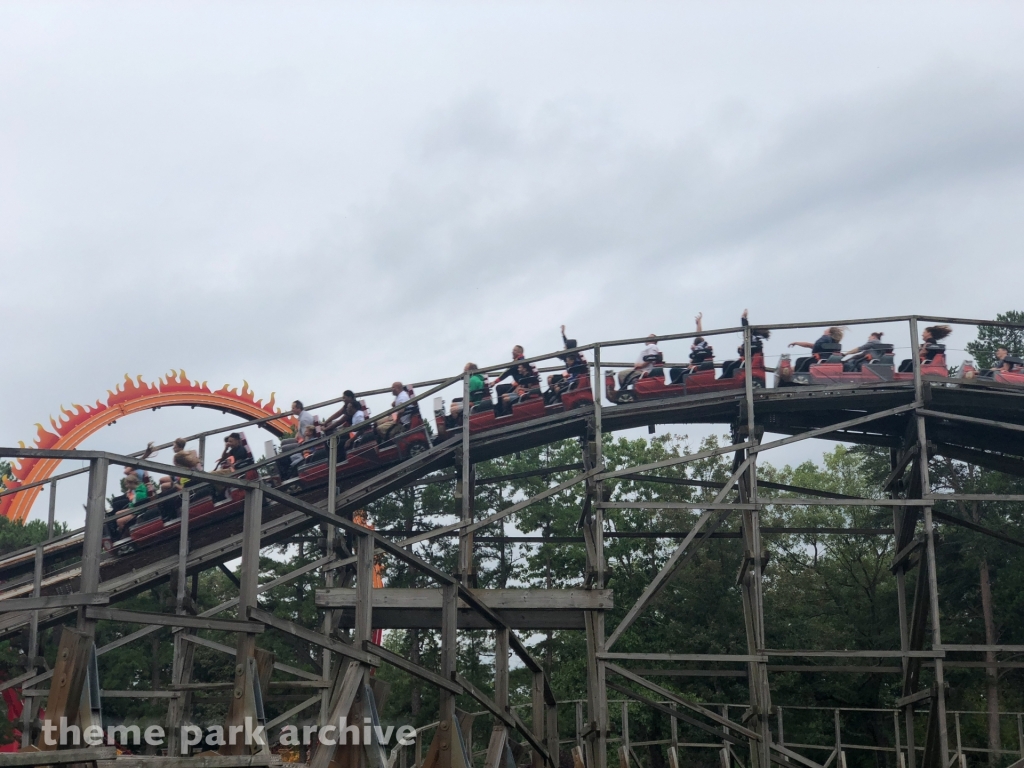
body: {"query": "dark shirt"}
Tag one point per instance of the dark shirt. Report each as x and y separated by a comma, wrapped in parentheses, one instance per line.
(756, 340)
(512, 371)
(528, 380)
(818, 349)
(241, 454)
(577, 368)
(701, 351)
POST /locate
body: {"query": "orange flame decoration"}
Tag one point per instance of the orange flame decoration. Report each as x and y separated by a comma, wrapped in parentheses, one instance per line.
(72, 427)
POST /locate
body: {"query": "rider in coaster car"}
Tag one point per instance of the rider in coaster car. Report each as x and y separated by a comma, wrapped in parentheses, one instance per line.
(757, 339)
(575, 367)
(930, 347)
(340, 418)
(821, 349)
(399, 420)
(512, 393)
(351, 415)
(527, 384)
(235, 456)
(700, 352)
(1004, 362)
(135, 494)
(477, 392)
(650, 355)
(873, 348)
(306, 419)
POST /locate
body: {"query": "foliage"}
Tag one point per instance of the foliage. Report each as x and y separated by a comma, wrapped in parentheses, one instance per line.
(17, 535)
(991, 337)
(5, 474)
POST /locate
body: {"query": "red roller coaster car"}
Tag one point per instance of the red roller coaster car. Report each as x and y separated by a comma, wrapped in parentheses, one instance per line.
(533, 406)
(651, 385)
(1015, 376)
(205, 507)
(877, 366)
(367, 455)
(162, 520)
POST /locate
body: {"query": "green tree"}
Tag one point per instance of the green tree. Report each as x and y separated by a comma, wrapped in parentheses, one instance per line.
(5, 474)
(991, 337)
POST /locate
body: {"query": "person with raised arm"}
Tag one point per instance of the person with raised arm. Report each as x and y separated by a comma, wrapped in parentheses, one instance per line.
(757, 339)
(700, 352)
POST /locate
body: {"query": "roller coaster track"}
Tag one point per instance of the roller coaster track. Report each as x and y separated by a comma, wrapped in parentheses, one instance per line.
(792, 411)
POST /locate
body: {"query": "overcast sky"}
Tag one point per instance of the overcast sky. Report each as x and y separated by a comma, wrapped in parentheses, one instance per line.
(315, 196)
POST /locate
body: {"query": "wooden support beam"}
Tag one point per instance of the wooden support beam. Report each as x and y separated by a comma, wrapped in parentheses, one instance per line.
(172, 620)
(899, 468)
(531, 739)
(913, 698)
(403, 598)
(313, 637)
(449, 654)
(309, 676)
(681, 554)
(57, 757)
(70, 672)
(538, 715)
(491, 519)
(675, 461)
(349, 685)
(675, 713)
(196, 761)
(671, 696)
(51, 602)
(412, 668)
(483, 700)
(900, 561)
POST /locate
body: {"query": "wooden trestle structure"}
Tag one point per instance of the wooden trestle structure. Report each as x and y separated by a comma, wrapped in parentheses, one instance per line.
(974, 422)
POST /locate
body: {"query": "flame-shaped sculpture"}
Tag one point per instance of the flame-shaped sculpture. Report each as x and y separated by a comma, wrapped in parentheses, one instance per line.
(72, 427)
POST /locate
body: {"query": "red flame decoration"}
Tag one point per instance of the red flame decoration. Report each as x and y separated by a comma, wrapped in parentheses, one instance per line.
(72, 427)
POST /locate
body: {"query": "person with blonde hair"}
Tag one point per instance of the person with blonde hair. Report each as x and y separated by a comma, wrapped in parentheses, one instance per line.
(822, 348)
(183, 458)
(833, 335)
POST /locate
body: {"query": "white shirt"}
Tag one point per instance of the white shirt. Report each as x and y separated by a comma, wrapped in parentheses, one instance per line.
(358, 417)
(306, 419)
(402, 397)
(649, 351)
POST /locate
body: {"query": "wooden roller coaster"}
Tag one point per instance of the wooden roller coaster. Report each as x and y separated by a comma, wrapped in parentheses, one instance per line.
(924, 410)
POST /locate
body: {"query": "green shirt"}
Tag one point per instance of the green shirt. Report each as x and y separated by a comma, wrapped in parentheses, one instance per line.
(141, 495)
(476, 388)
